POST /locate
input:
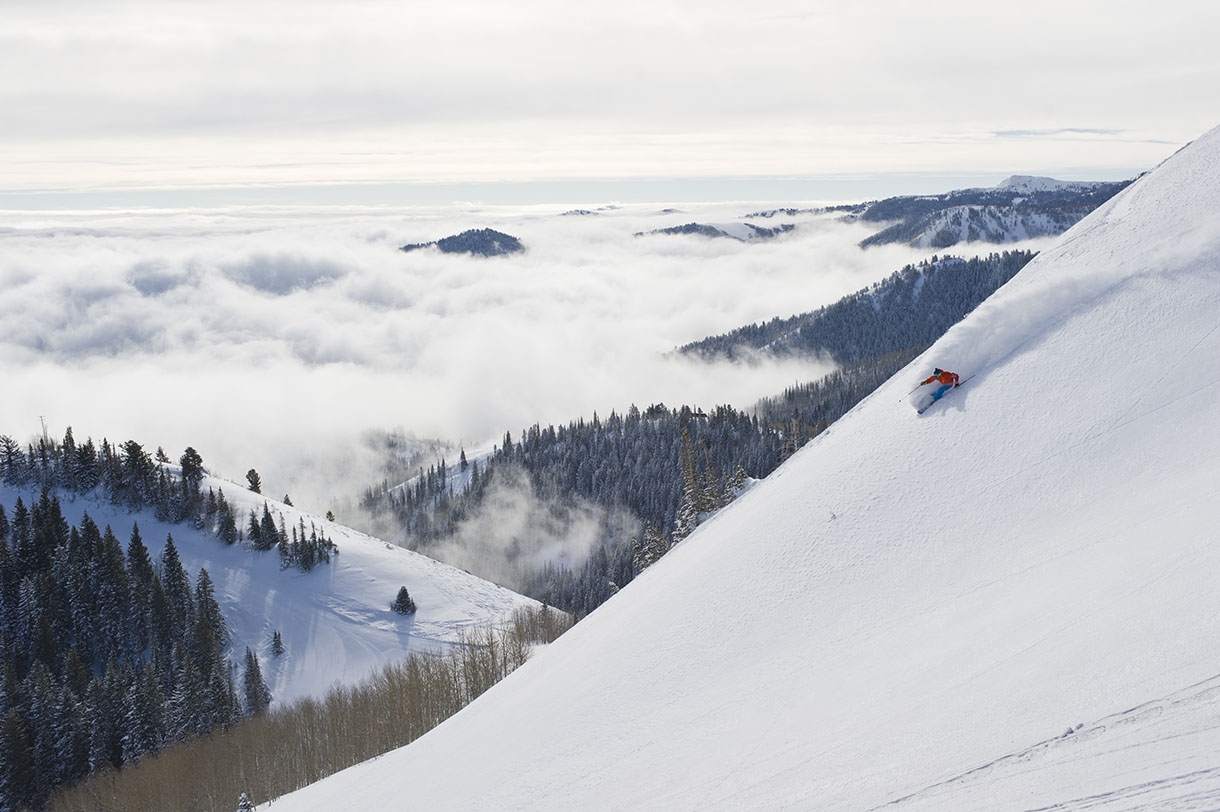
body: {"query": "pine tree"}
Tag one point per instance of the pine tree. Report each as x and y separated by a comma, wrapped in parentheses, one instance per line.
(143, 580)
(227, 522)
(177, 589)
(258, 695)
(19, 779)
(649, 549)
(254, 480)
(244, 804)
(210, 632)
(277, 643)
(403, 604)
(145, 715)
(135, 475)
(186, 703)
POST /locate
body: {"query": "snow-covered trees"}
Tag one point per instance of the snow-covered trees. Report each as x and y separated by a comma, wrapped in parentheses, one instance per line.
(256, 692)
(403, 604)
(912, 307)
(625, 463)
(649, 548)
(104, 658)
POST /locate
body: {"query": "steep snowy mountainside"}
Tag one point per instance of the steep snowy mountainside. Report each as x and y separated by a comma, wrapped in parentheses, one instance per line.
(1007, 603)
(990, 224)
(1020, 208)
(335, 621)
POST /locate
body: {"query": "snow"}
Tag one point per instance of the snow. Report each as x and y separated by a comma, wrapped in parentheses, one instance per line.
(335, 621)
(1031, 183)
(913, 611)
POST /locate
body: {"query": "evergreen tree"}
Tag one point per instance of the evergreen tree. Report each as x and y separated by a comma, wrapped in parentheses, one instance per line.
(177, 590)
(244, 804)
(192, 469)
(186, 703)
(20, 784)
(136, 475)
(143, 584)
(210, 632)
(227, 523)
(258, 695)
(649, 549)
(254, 480)
(403, 604)
(144, 715)
(87, 474)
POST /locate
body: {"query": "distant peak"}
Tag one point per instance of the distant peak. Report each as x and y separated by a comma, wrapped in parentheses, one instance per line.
(1035, 183)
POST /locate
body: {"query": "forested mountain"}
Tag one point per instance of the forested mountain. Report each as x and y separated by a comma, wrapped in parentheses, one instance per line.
(744, 232)
(1018, 209)
(908, 309)
(483, 242)
(632, 462)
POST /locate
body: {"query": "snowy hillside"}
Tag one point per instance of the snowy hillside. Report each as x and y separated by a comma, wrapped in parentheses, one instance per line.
(1020, 208)
(1007, 603)
(1032, 183)
(991, 224)
(335, 621)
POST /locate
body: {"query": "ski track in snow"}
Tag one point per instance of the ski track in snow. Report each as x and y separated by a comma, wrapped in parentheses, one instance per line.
(1185, 713)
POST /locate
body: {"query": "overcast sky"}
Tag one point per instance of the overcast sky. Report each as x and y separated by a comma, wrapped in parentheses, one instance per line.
(106, 96)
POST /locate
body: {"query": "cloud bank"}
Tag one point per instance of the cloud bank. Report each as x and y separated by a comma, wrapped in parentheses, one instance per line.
(262, 336)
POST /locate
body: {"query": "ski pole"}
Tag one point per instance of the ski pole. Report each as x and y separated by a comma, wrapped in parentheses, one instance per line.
(908, 394)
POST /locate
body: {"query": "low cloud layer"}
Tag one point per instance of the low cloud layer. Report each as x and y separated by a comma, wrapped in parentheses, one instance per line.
(261, 337)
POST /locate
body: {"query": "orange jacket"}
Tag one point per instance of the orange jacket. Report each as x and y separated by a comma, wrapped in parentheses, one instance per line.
(945, 377)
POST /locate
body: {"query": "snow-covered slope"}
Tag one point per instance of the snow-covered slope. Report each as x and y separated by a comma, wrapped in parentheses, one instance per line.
(335, 621)
(1034, 183)
(992, 224)
(1006, 603)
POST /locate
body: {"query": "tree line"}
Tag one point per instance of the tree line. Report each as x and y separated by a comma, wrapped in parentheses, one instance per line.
(128, 476)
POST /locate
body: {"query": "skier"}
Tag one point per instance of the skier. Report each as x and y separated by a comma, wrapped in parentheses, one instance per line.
(948, 380)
